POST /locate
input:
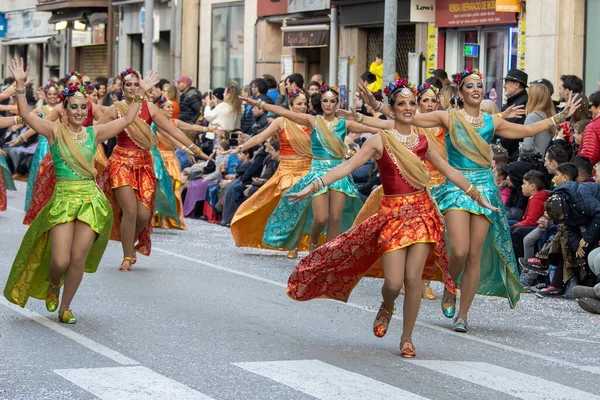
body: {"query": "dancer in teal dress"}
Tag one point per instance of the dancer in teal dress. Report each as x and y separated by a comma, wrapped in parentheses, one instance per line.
(481, 255)
(165, 204)
(334, 206)
(51, 90)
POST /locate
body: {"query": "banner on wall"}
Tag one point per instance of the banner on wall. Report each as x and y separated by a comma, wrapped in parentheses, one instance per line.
(513, 6)
(456, 13)
(431, 48)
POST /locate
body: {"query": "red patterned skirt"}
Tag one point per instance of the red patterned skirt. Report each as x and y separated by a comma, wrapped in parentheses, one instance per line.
(128, 167)
(334, 269)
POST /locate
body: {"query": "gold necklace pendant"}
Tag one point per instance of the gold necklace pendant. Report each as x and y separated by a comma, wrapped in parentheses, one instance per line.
(410, 141)
(80, 138)
(332, 124)
(476, 122)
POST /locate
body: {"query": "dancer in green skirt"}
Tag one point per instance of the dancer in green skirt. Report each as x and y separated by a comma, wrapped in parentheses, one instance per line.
(71, 232)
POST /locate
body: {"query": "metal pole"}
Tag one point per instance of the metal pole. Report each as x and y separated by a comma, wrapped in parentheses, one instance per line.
(148, 35)
(109, 34)
(390, 29)
(176, 32)
(333, 47)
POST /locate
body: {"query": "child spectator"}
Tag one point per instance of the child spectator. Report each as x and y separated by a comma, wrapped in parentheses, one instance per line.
(501, 174)
(584, 169)
(533, 188)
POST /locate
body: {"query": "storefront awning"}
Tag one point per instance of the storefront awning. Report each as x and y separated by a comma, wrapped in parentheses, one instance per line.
(32, 40)
(305, 35)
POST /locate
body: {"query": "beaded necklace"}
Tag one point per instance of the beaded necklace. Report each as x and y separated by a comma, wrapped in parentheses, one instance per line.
(410, 141)
(476, 122)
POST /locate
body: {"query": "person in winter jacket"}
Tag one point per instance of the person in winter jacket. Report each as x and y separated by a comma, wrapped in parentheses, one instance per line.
(190, 102)
(590, 142)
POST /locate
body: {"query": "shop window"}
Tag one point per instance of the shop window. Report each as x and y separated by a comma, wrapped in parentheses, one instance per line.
(469, 41)
(495, 55)
(227, 48)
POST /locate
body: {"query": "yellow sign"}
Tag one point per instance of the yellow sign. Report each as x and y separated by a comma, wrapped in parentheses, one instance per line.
(522, 44)
(508, 6)
(431, 48)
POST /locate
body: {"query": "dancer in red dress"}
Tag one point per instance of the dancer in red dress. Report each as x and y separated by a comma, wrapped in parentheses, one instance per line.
(407, 233)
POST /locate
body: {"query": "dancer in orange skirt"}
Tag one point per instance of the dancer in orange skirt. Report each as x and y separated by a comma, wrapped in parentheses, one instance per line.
(250, 220)
(407, 233)
(130, 180)
(167, 147)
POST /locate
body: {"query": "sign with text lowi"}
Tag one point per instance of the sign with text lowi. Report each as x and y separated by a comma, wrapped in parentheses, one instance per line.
(422, 11)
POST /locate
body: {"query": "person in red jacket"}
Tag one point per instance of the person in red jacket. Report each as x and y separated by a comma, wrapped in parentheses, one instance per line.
(590, 142)
(533, 188)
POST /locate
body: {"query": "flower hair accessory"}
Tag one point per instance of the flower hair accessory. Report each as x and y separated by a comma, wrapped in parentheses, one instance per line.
(425, 87)
(72, 90)
(326, 88)
(127, 72)
(295, 93)
(50, 85)
(161, 101)
(91, 88)
(460, 77)
(402, 84)
(71, 74)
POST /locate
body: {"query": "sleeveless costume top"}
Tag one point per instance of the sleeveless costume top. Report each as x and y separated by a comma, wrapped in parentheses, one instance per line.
(123, 139)
(88, 149)
(285, 147)
(318, 149)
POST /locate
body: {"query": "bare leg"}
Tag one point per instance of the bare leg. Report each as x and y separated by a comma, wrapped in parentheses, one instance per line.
(393, 273)
(413, 272)
(125, 196)
(61, 240)
(457, 225)
(82, 243)
(320, 208)
(337, 200)
(143, 216)
(470, 279)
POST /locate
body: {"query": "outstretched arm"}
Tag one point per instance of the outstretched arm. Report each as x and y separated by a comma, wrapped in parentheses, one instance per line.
(434, 157)
(184, 126)
(262, 137)
(164, 124)
(356, 127)
(6, 122)
(372, 122)
(53, 116)
(372, 147)
(9, 91)
(302, 119)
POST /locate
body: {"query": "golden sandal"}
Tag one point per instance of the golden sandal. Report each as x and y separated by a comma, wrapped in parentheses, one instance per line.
(382, 321)
(407, 348)
(52, 297)
(130, 260)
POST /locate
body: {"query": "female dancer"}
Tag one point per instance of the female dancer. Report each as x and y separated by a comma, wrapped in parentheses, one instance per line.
(333, 206)
(167, 147)
(6, 180)
(407, 232)
(70, 234)
(130, 177)
(484, 235)
(250, 220)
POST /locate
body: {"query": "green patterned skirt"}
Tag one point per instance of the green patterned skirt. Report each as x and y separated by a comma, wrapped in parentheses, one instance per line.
(71, 200)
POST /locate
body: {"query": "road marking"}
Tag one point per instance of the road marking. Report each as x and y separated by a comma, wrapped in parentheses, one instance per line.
(517, 384)
(325, 381)
(566, 335)
(129, 383)
(68, 333)
(445, 331)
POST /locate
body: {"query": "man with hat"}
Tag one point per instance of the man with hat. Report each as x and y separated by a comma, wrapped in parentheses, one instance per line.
(515, 85)
(190, 102)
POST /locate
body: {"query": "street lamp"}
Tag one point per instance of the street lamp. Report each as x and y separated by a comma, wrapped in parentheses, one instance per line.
(79, 26)
(59, 26)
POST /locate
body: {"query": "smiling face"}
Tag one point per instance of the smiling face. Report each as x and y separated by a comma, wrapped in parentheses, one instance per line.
(428, 102)
(76, 111)
(167, 109)
(52, 96)
(131, 84)
(405, 106)
(472, 90)
(299, 104)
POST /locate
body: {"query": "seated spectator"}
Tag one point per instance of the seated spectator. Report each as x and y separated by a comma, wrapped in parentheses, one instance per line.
(590, 143)
(314, 87)
(588, 298)
(260, 121)
(247, 116)
(231, 188)
(533, 188)
(584, 169)
(269, 167)
(578, 130)
(501, 174)
(555, 155)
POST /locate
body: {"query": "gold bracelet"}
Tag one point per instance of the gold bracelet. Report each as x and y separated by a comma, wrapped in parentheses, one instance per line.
(260, 104)
(20, 91)
(138, 99)
(241, 148)
(499, 115)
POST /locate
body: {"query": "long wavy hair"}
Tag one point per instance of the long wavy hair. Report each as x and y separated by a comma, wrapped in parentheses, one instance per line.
(233, 99)
(540, 101)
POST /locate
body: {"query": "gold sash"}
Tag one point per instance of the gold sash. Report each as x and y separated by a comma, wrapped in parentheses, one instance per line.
(467, 141)
(299, 140)
(411, 167)
(72, 155)
(139, 131)
(331, 141)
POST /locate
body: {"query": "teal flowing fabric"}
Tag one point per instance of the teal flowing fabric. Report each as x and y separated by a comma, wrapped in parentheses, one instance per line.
(43, 147)
(165, 204)
(499, 272)
(290, 221)
(8, 180)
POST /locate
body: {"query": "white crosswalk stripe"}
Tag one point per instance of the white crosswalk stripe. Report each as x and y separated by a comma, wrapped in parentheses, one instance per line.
(129, 383)
(325, 381)
(514, 383)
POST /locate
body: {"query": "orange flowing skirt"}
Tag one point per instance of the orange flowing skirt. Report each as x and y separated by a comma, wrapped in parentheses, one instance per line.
(174, 171)
(334, 269)
(128, 167)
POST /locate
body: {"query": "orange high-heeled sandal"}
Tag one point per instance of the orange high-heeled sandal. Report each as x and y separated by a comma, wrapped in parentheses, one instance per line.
(407, 348)
(382, 321)
(124, 267)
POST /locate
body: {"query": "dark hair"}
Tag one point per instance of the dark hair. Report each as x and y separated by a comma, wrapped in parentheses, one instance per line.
(9, 81)
(537, 178)
(101, 80)
(583, 165)
(440, 74)
(554, 208)
(314, 83)
(297, 79)
(379, 55)
(368, 77)
(572, 83)
(315, 102)
(271, 82)
(275, 144)
(502, 169)
(261, 85)
(579, 126)
(224, 144)
(568, 169)
(248, 152)
(595, 99)
(433, 81)
(161, 83)
(558, 154)
(501, 159)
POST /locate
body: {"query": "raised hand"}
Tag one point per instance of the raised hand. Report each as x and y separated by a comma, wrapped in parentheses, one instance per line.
(149, 81)
(18, 71)
(349, 115)
(366, 95)
(249, 100)
(514, 111)
(573, 103)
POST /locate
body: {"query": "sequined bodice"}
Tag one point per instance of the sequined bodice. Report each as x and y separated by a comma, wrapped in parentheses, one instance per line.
(88, 149)
(123, 139)
(393, 183)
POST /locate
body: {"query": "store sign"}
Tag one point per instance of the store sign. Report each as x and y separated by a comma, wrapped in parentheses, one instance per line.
(307, 5)
(2, 25)
(25, 24)
(456, 13)
(422, 11)
(513, 6)
(306, 39)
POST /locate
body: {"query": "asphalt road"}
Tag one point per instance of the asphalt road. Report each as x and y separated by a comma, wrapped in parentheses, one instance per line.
(202, 319)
